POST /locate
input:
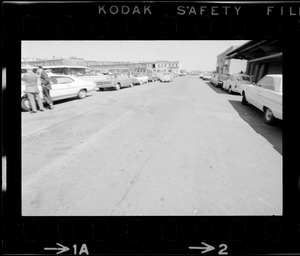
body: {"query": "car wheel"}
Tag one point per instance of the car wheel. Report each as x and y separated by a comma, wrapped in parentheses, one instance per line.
(118, 87)
(269, 118)
(25, 104)
(244, 101)
(101, 89)
(82, 94)
(229, 90)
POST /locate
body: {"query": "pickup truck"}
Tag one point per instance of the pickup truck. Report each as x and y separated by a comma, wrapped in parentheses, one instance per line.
(265, 95)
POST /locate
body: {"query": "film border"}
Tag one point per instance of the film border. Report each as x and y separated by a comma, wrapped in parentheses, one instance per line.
(162, 234)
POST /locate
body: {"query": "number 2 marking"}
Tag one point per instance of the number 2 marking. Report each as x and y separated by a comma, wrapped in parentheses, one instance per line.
(223, 248)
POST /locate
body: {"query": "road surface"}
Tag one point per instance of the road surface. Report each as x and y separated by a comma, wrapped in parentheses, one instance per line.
(179, 148)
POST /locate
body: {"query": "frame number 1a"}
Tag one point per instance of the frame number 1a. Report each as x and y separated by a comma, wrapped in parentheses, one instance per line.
(83, 249)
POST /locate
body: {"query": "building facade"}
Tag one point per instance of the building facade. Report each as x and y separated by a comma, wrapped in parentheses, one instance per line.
(223, 62)
(165, 66)
(53, 62)
(226, 65)
(108, 66)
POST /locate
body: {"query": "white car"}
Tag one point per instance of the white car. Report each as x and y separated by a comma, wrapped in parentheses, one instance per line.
(63, 87)
(166, 78)
(215, 80)
(266, 95)
(142, 79)
(235, 82)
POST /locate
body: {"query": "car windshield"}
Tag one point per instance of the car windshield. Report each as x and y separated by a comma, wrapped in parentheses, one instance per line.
(244, 79)
(111, 77)
(61, 80)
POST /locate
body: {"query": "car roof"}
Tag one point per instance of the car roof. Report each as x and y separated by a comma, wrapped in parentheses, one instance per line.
(275, 75)
(53, 74)
(240, 74)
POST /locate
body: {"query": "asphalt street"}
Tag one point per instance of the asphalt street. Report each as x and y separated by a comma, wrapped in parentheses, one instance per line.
(179, 148)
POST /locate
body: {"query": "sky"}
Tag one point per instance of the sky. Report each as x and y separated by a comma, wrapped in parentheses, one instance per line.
(193, 55)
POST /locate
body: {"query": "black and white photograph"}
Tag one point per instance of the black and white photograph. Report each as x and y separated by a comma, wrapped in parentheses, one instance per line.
(151, 128)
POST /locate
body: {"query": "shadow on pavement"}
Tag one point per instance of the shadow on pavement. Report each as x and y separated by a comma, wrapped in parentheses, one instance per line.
(68, 100)
(254, 117)
(110, 89)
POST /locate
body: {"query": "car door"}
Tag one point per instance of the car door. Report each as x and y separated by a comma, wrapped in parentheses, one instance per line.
(268, 97)
(253, 92)
(120, 80)
(61, 87)
(127, 80)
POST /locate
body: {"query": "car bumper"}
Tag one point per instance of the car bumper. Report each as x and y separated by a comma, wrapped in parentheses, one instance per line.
(104, 85)
(237, 90)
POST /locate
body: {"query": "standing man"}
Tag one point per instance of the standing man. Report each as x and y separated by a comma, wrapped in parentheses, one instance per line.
(45, 82)
(32, 90)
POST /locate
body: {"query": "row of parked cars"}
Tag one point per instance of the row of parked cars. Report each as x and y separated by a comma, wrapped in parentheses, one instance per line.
(65, 86)
(120, 80)
(266, 94)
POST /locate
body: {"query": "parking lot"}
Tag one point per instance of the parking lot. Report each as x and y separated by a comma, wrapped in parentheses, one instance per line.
(178, 148)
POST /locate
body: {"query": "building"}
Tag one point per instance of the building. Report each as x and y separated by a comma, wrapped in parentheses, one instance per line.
(165, 66)
(227, 65)
(263, 56)
(108, 66)
(223, 61)
(53, 62)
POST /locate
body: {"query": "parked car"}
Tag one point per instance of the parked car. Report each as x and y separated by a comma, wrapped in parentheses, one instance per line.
(215, 80)
(134, 79)
(63, 87)
(235, 82)
(166, 78)
(265, 95)
(206, 76)
(152, 77)
(223, 78)
(141, 78)
(116, 81)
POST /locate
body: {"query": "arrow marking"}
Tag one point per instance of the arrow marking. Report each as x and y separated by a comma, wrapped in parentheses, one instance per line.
(206, 247)
(61, 249)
